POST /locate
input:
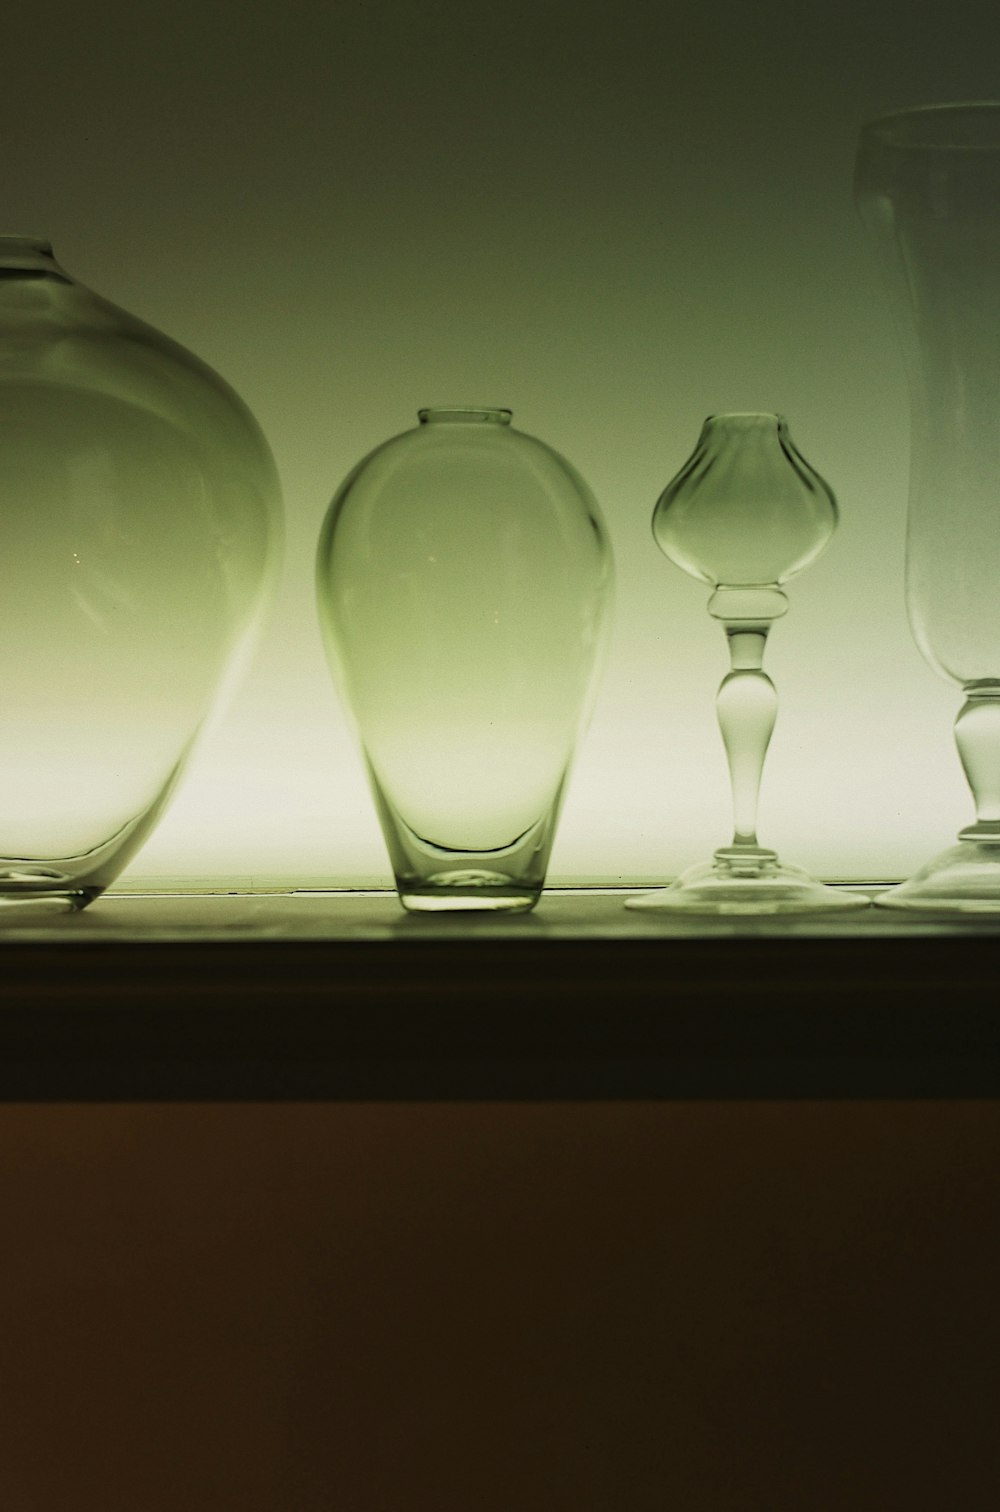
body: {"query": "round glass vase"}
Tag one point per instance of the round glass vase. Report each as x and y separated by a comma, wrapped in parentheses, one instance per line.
(927, 183)
(464, 578)
(139, 526)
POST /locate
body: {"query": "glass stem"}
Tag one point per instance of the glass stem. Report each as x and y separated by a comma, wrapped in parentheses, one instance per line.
(747, 706)
(977, 735)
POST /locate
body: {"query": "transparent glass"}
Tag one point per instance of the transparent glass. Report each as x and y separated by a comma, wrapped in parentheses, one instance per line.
(927, 183)
(745, 513)
(464, 578)
(139, 523)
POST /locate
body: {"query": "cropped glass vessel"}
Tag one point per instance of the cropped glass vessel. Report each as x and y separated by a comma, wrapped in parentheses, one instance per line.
(464, 579)
(927, 183)
(139, 519)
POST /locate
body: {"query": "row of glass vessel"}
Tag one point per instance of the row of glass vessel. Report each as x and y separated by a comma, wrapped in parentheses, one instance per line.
(464, 582)
(464, 576)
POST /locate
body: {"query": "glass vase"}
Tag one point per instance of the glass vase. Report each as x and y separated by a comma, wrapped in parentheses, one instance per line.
(928, 186)
(139, 524)
(464, 579)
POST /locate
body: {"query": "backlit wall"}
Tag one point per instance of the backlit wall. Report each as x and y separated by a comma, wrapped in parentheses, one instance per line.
(613, 220)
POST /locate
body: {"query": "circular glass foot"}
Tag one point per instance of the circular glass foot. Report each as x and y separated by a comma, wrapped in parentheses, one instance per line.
(963, 879)
(720, 887)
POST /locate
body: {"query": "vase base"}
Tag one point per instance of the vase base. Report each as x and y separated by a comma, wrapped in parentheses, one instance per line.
(715, 887)
(26, 903)
(480, 891)
(965, 879)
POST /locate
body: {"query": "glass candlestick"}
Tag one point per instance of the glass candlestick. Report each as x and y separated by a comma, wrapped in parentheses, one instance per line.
(745, 514)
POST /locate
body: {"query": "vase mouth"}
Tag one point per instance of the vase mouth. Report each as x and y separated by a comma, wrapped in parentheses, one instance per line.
(960, 126)
(464, 414)
(747, 420)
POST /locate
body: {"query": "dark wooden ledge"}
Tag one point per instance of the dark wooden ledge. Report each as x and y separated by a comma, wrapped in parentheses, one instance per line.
(342, 996)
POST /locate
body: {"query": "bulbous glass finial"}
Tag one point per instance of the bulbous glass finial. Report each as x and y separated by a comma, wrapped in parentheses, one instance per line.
(746, 508)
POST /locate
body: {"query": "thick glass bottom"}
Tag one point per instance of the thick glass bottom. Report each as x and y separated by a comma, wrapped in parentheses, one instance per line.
(750, 885)
(432, 877)
(466, 889)
(31, 902)
(964, 879)
(48, 881)
(30, 887)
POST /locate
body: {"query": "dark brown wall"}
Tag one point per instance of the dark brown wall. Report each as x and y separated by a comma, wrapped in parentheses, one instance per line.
(708, 1308)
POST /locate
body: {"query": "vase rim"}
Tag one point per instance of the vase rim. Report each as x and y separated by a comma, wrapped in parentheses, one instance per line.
(28, 254)
(746, 419)
(11, 241)
(464, 414)
(951, 126)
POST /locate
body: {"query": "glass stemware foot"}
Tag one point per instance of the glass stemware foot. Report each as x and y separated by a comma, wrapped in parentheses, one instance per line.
(747, 881)
(965, 878)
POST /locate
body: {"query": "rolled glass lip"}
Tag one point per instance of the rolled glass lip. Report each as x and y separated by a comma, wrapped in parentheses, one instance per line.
(955, 126)
(25, 252)
(746, 419)
(12, 242)
(464, 414)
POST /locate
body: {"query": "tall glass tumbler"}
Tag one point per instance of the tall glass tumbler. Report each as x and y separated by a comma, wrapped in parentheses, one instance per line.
(928, 187)
(464, 578)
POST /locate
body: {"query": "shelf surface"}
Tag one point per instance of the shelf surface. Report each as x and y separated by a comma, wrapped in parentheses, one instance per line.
(300, 996)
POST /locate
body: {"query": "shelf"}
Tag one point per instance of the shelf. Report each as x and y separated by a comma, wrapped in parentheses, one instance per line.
(343, 996)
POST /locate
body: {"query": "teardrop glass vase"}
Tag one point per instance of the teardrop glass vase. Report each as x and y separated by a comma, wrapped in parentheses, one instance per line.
(464, 580)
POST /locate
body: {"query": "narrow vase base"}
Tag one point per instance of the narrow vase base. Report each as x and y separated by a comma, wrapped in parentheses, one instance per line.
(28, 904)
(963, 879)
(481, 892)
(718, 887)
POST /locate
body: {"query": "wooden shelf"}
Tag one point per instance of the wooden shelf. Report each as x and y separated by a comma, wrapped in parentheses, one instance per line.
(342, 996)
